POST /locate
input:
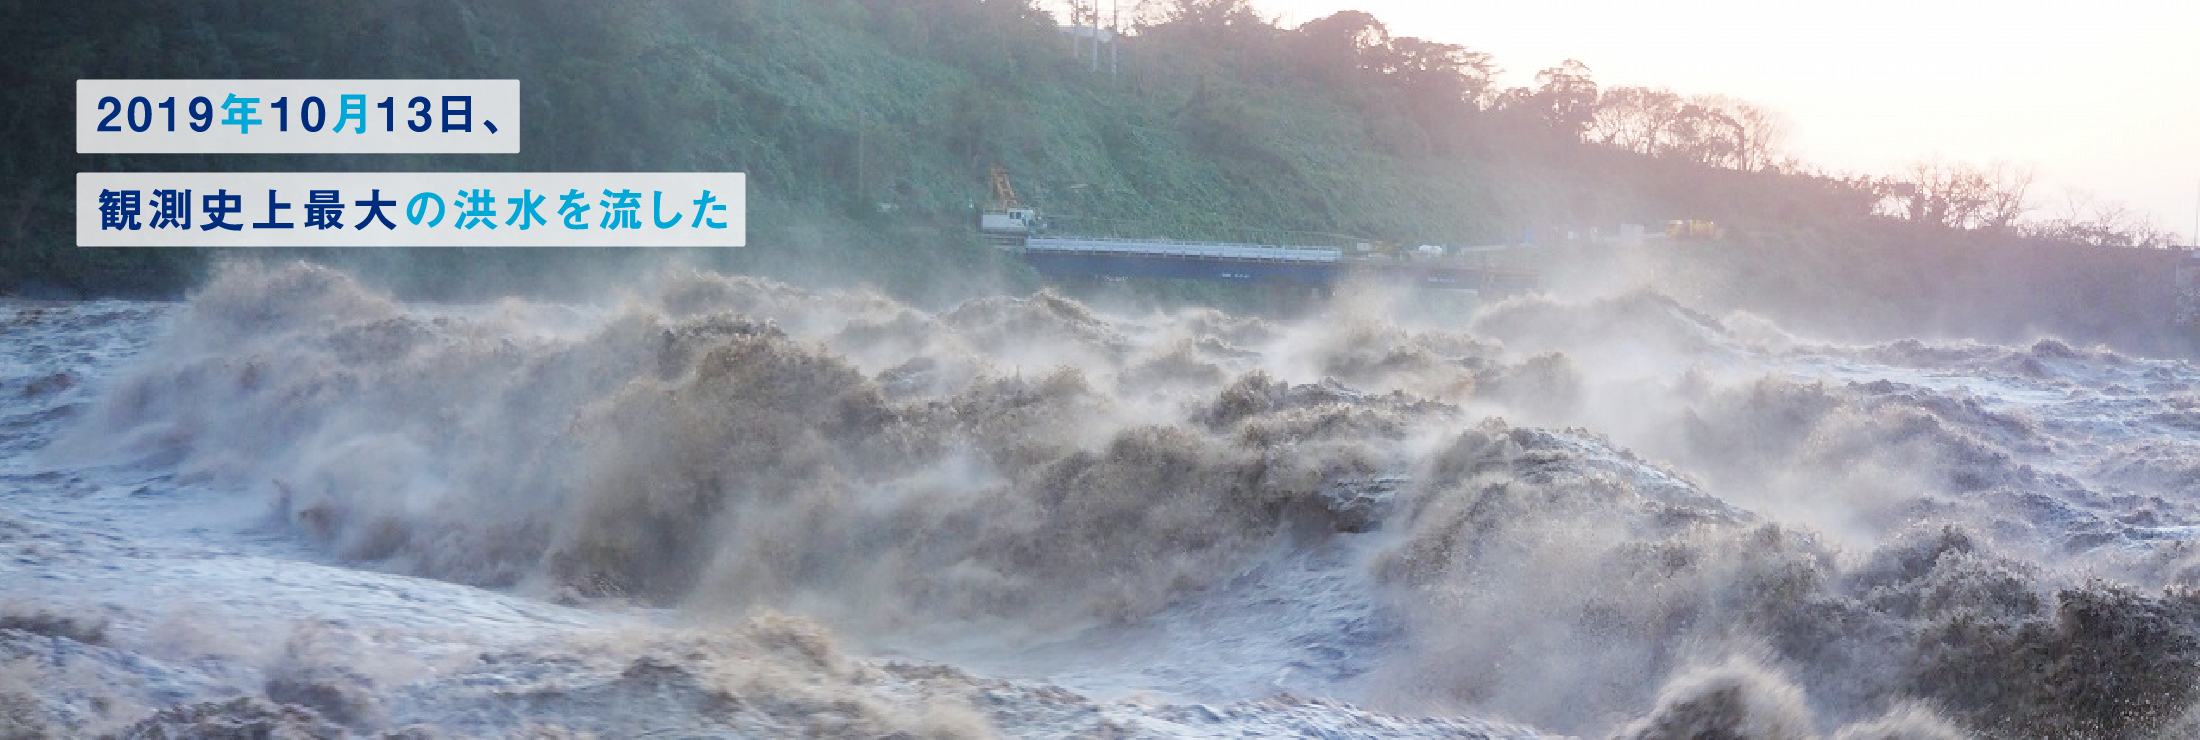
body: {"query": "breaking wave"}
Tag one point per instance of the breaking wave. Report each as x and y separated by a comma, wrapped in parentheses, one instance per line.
(1614, 516)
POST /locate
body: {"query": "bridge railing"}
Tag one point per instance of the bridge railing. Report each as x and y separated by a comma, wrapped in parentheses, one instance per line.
(1071, 226)
(1191, 249)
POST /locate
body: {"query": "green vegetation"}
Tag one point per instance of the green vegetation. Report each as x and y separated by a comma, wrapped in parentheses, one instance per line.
(866, 127)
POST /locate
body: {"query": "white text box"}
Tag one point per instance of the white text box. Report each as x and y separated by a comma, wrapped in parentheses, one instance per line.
(297, 116)
(419, 209)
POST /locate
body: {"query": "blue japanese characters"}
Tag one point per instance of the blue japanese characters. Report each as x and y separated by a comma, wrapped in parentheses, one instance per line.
(411, 209)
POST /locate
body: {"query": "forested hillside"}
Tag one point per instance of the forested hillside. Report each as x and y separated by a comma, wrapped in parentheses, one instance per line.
(866, 128)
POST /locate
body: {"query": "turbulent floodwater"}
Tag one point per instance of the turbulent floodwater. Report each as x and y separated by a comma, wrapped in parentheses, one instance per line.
(723, 506)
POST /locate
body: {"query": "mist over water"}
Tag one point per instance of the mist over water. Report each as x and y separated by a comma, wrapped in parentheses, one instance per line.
(727, 504)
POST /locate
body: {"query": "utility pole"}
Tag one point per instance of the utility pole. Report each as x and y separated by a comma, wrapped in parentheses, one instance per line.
(1115, 38)
(1076, 29)
(1086, 20)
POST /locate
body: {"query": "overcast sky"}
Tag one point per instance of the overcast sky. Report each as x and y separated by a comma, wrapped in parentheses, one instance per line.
(2101, 95)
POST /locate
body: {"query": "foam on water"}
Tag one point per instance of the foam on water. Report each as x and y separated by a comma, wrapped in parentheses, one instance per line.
(730, 506)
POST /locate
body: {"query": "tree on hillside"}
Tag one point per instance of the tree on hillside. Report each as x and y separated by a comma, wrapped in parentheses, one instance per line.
(1436, 74)
(1958, 195)
(1347, 35)
(1002, 41)
(1565, 98)
(1229, 32)
(2083, 219)
(1439, 81)
(1634, 119)
(1760, 132)
(1342, 49)
(1204, 15)
(1713, 130)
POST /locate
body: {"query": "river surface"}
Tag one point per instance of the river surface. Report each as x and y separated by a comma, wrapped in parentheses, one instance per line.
(727, 507)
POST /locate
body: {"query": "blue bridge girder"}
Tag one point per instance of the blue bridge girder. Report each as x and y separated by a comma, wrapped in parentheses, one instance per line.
(1142, 258)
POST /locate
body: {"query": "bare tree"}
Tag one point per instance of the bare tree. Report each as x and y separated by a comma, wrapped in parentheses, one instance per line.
(1636, 119)
(1755, 132)
(2085, 219)
(1958, 195)
(1711, 129)
(2008, 187)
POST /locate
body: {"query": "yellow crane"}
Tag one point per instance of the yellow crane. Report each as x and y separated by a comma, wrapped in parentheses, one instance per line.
(1004, 194)
(1008, 222)
(1678, 229)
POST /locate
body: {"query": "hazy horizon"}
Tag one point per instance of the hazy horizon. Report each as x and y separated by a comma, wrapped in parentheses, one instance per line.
(2087, 98)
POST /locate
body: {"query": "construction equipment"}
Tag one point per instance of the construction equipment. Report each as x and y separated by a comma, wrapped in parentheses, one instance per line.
(1004, 194)
(1693, 229)
(1007, 222)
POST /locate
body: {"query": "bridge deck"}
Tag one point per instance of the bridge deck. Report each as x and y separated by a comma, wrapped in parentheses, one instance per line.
(1156, 258)
(1194, 250)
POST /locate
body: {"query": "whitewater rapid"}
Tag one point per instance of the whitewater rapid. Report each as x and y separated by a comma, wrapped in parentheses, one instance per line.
(724, 506)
